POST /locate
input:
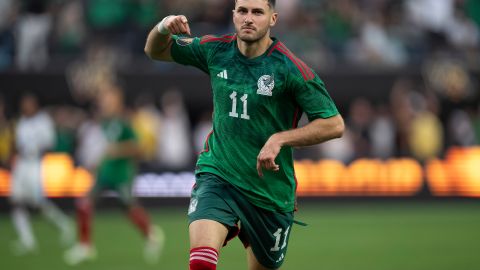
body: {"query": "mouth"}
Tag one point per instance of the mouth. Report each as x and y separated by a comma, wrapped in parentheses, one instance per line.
(248, 28)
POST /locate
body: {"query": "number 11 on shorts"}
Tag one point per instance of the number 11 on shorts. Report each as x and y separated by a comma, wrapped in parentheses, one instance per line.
(278, 236)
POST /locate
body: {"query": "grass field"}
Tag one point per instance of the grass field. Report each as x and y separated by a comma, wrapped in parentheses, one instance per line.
(383, 235)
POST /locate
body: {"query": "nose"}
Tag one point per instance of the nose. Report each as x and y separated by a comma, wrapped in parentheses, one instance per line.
(248, 19)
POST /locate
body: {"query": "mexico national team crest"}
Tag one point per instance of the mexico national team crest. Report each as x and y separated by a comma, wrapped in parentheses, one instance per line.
(265, 85)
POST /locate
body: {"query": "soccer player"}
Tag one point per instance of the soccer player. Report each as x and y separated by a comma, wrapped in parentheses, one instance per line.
(114, 172)
(245, 182)
(34, 135)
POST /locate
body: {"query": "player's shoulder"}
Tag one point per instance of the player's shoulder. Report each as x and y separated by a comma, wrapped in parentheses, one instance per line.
(217, 39)
(295, 65)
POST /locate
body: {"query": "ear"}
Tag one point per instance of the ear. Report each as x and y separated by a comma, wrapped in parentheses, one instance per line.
(273, 19)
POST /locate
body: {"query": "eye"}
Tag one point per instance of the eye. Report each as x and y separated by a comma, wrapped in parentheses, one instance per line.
(257, 12)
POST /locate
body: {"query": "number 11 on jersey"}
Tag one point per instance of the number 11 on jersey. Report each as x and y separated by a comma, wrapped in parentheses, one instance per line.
(233, 112)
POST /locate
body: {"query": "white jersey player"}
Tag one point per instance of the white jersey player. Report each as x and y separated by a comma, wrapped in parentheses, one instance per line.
(34, 134)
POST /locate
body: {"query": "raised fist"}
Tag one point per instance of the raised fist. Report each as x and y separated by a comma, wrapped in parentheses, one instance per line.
(177, 24)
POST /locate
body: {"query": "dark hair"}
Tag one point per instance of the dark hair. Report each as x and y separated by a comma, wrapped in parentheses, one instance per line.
(271, 3)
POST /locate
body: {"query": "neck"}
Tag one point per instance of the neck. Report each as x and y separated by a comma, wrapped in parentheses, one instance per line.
(254, 49)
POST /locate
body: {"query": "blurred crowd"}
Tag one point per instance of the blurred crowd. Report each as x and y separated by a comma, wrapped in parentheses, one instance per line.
(327, 33)
(415, 122)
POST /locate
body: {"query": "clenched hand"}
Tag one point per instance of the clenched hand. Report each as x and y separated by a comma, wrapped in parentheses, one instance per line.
(177, 25)
(267, 155)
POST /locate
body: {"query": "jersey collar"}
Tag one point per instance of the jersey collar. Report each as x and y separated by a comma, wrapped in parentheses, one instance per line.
(256, 60)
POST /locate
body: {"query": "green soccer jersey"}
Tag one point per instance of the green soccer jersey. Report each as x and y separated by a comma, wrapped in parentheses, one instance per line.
(253, 99)
(113, 171)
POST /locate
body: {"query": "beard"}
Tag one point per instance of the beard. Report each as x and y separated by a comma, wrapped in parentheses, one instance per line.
(253, 37)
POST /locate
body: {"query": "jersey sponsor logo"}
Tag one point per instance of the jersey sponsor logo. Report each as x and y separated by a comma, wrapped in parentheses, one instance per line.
(265, 85)
(184, 41)
(223, 74)
(193, 206)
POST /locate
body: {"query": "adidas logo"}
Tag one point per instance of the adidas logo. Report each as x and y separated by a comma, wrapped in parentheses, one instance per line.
(223, 74)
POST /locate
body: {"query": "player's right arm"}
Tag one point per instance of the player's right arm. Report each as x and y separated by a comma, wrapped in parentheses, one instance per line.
(159, 40)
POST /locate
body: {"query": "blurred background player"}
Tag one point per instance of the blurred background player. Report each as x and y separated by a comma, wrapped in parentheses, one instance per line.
(34, 135)
(114, 172)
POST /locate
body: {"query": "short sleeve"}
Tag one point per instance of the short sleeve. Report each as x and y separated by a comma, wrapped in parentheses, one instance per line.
(312, 96)
(190, 51)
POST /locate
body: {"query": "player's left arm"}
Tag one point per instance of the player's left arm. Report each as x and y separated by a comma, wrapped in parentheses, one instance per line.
(318, 131)
(325, 122)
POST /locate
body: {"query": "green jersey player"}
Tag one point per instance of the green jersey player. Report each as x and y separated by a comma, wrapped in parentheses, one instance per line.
(245, 182)
(115, 171)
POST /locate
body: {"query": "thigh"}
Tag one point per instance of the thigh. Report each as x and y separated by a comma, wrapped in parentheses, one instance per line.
(210, 215)
(266, 233)
(17, 192)
(27, 184)
(207, 233)
(124, 191)
(209, 200)
(97, 189)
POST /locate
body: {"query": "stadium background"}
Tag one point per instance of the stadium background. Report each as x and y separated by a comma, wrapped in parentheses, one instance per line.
(399, 191)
